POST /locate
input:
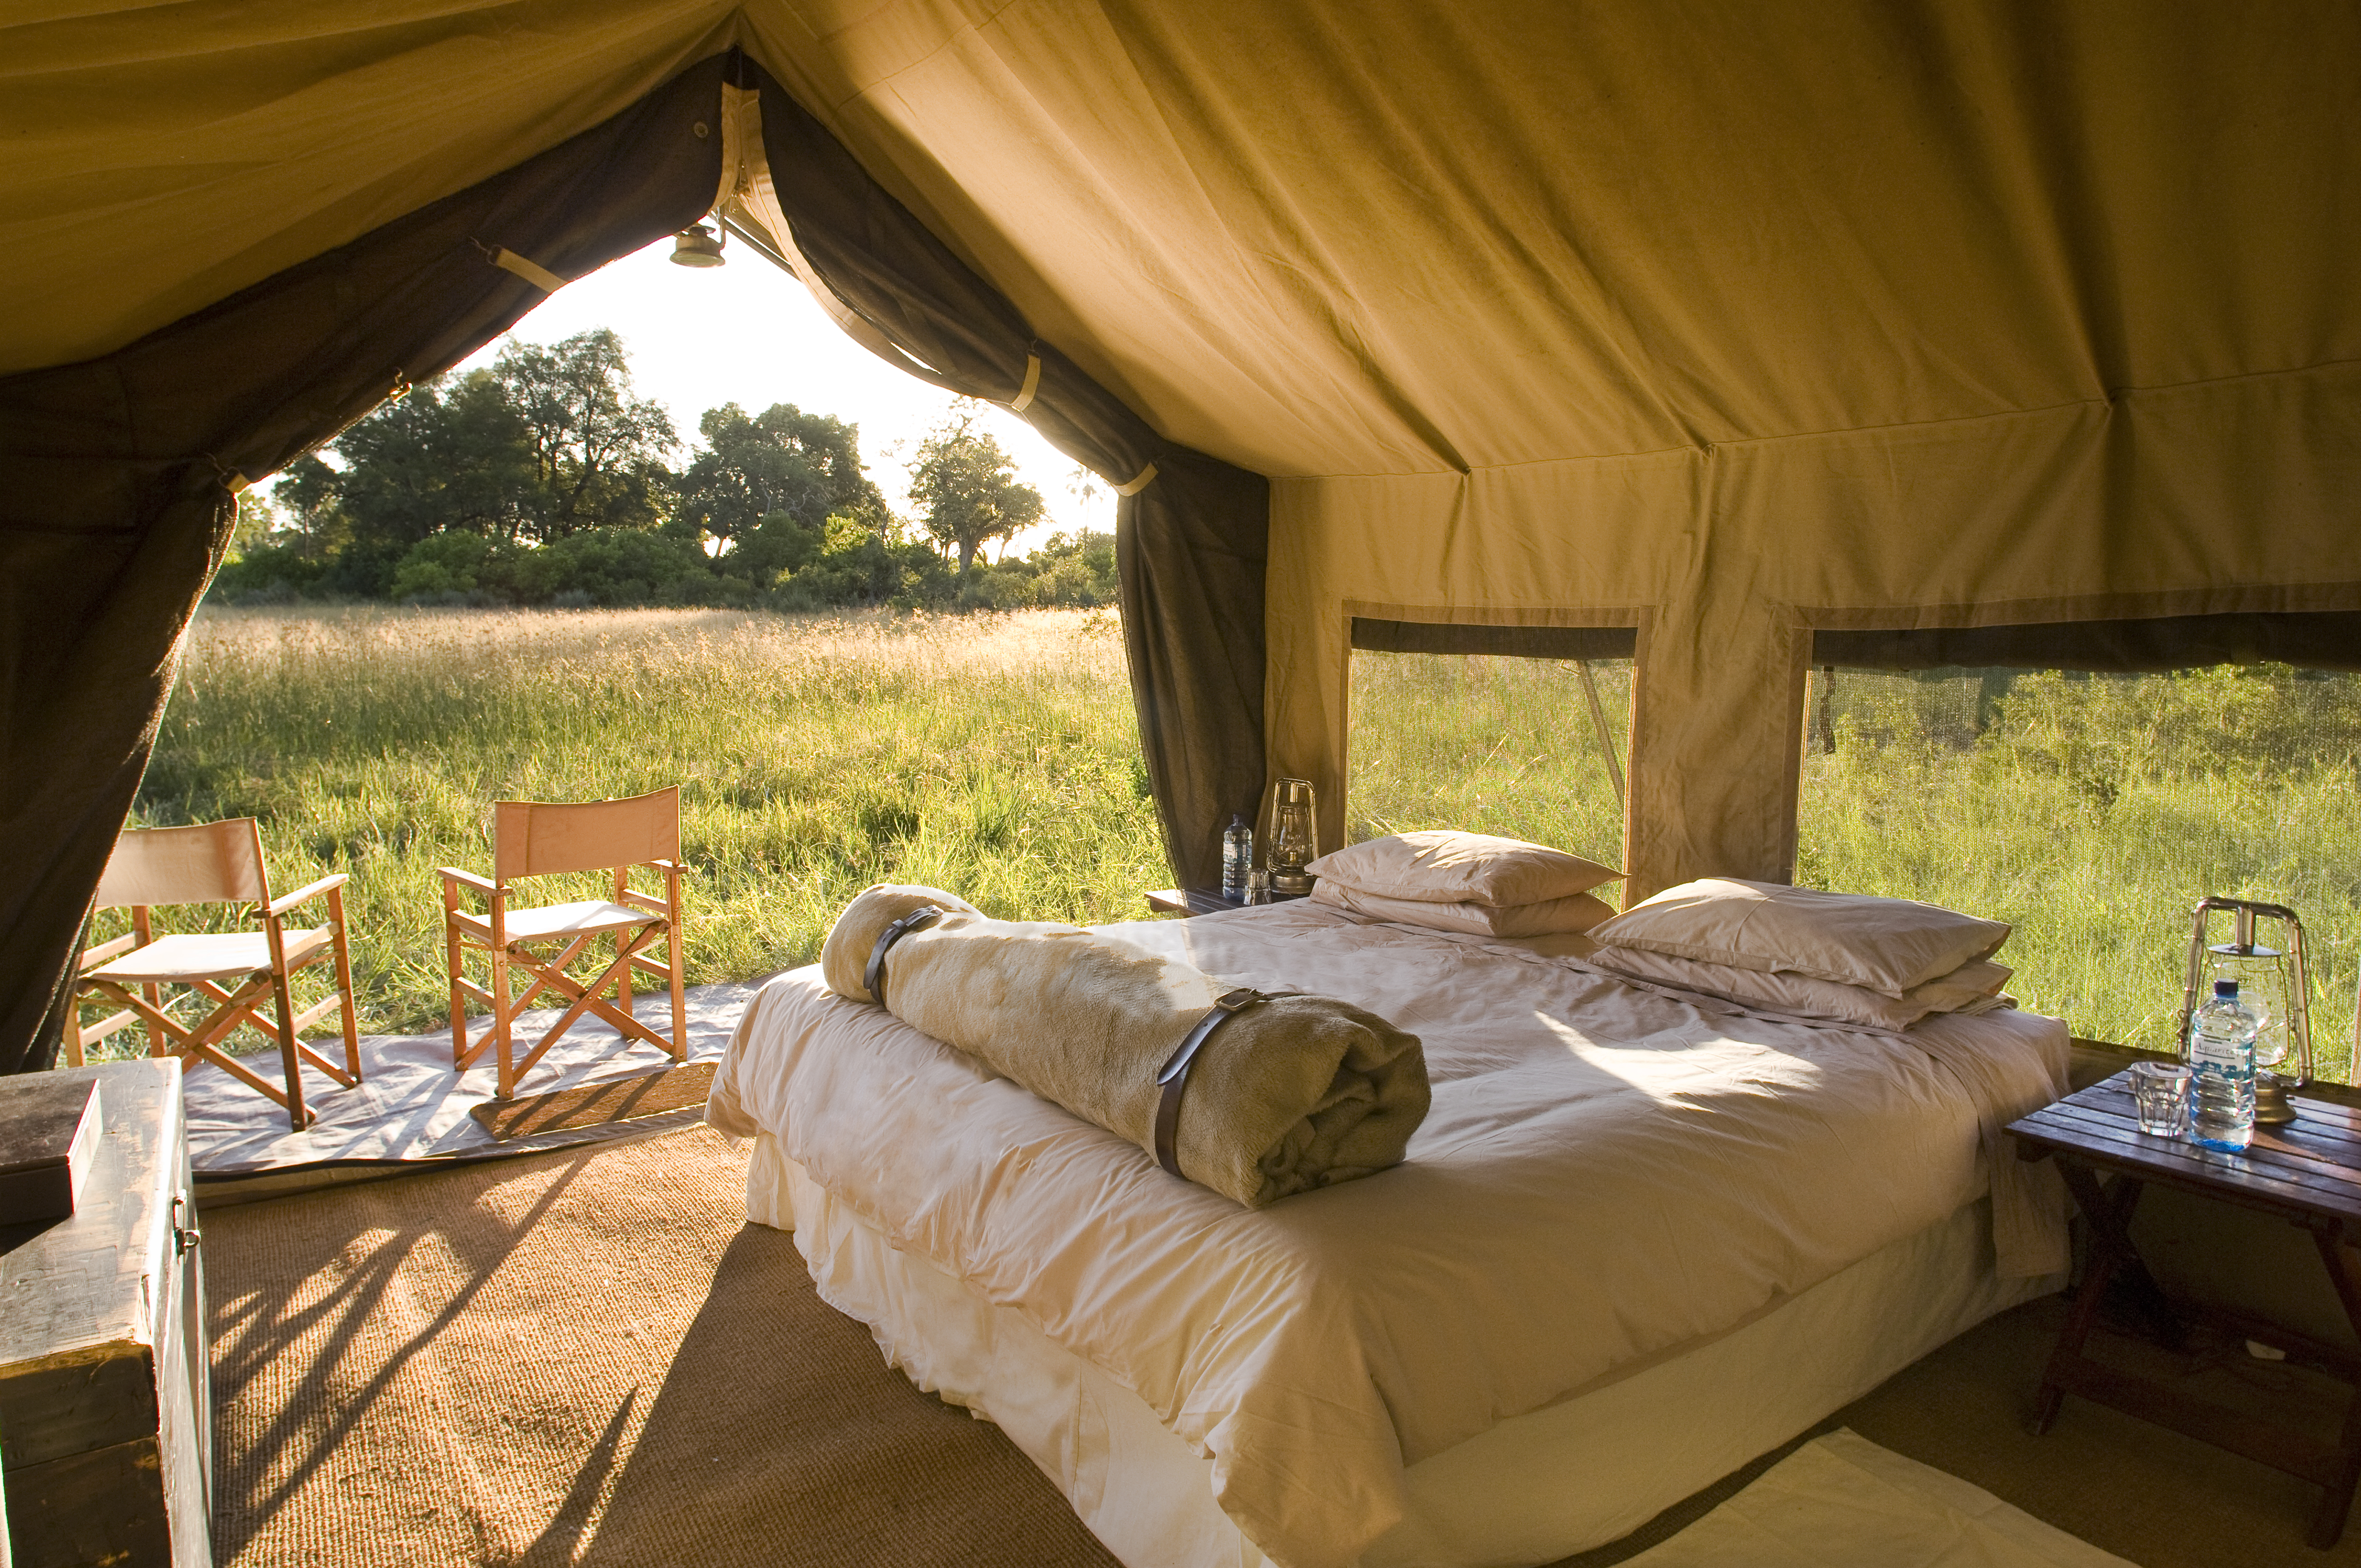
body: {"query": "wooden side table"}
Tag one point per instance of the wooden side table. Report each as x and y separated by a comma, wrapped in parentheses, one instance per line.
(2306, 1174)
(1202, 900)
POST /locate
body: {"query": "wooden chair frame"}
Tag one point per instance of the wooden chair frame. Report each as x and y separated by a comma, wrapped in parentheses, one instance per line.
(490, 933)
(201, 1040)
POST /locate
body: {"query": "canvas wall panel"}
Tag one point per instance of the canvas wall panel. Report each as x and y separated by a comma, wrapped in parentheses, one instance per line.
(2241, 494)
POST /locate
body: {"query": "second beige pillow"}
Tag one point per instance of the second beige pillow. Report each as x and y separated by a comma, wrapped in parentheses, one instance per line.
(1547, 918)
(1443, 865)
(1880, 944)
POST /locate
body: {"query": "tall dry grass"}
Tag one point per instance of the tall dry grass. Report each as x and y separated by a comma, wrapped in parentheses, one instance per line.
(991, 755)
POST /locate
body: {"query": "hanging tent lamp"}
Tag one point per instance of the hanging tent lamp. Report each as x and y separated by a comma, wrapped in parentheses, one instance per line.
(697, 245)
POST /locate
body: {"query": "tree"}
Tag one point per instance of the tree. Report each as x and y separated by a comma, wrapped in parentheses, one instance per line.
(966, 487)
(451, 454)
(756, 467)
(259, 518)
(598, 451)
(306, 492)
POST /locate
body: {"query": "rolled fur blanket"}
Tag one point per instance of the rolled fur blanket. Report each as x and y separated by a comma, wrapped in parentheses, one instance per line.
(1292, 1093)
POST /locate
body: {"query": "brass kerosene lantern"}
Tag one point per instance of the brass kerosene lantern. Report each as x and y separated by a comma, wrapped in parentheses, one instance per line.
(2273, 984)
(1293, 816)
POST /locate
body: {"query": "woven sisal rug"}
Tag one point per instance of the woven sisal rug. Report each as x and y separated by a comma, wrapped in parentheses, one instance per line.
(581, 1358)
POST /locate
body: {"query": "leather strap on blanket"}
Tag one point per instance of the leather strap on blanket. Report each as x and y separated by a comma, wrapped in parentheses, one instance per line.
(872, 979)
(1173, 1077)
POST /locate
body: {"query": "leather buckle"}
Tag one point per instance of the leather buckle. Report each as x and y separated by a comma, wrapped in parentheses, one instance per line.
(872, 978)
(1173, 1076)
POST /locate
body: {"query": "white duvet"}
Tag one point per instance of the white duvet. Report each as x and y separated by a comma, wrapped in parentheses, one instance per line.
(1610, 1174)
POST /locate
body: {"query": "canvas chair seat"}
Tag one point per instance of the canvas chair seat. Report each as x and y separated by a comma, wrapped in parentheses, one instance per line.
(177, 960)
(586, 917)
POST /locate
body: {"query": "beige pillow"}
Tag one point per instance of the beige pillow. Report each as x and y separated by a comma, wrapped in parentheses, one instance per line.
(1549, 917)
(1443, 865)
(1878, 944)
(1973, 988)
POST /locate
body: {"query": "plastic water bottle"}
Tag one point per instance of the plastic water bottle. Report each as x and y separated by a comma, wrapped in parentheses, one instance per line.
(2222, 1064)
(1237, 859)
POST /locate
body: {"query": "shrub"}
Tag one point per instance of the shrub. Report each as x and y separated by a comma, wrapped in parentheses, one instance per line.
(777, 545)
(617, 567)
(454, 567)
(270, 574)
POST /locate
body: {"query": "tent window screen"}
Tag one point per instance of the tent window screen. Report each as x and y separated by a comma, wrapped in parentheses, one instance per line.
(1493, 743)
(2093, 811)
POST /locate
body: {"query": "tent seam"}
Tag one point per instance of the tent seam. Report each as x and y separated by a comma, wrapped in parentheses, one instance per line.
(1707, 450)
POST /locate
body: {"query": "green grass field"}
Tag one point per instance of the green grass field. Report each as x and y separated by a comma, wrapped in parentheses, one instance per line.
(2090, 814)
(995, 756)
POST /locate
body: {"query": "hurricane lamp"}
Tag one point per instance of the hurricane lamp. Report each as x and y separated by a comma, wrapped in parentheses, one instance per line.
(2273, 983)
(1293, 813)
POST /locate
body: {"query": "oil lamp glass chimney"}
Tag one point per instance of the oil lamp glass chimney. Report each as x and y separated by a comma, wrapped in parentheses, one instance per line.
(1292, 814)
(2273, 982)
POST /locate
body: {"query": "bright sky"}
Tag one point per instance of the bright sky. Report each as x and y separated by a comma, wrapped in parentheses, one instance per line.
(748, 334)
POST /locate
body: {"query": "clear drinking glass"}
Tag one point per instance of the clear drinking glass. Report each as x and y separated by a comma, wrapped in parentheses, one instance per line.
(2160, 1098)
(1258, 886)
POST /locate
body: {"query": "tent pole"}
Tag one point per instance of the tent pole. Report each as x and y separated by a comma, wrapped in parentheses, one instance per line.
(1598, 721)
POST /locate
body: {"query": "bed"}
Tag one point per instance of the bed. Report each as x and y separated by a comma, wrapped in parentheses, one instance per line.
(1641, 1236)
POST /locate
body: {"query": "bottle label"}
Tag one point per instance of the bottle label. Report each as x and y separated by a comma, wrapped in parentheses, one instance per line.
(2226, 1055)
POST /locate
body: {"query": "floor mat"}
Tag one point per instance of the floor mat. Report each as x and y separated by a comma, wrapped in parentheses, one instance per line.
(580, 1360)
(1840, 1501)
(411, 1105)
(623, 1100)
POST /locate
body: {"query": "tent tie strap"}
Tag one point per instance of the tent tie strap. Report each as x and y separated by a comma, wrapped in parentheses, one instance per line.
(533, 272)
(1137, 482)
(1023, 397)
(1172, 1078)
(872, 979)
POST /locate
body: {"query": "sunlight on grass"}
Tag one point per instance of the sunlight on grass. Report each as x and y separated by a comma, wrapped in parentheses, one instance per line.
(1488, 743)
(995, 756)
(2093, 813)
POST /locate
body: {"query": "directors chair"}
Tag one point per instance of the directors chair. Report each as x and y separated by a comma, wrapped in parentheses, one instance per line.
(536, 839)
(215, 862)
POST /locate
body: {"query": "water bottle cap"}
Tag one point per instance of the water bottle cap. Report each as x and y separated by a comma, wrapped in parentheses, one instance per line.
(2226, 988)
(1237, 818)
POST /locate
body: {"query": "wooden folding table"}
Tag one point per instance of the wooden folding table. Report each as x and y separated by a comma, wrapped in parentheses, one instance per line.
(2306, 1174)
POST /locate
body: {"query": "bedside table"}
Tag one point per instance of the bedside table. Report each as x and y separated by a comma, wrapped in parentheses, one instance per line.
(1203, 900)
(2307, 1173)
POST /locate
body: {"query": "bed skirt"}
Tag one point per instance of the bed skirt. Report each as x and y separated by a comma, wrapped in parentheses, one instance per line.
(1587, 1470)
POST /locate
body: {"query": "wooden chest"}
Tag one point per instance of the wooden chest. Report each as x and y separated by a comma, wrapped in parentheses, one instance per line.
(105, 1413)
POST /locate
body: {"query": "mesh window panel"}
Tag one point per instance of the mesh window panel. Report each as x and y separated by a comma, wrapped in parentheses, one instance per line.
(2093, 812)
(1492, 743)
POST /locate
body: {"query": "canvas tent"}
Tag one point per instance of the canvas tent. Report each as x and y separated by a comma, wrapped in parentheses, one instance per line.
(1744, 336)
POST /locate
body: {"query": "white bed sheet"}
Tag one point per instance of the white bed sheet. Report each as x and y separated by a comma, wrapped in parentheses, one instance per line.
(1611, 1176)
(1536, 1488)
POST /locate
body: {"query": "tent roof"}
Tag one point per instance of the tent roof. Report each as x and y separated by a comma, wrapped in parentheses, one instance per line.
(1332, 236)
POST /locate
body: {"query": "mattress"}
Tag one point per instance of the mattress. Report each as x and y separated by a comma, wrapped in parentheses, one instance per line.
(1612, 1176)
(1536, 1488)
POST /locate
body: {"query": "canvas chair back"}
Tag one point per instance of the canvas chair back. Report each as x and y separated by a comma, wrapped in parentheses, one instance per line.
(538, 838)
(213, 862)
